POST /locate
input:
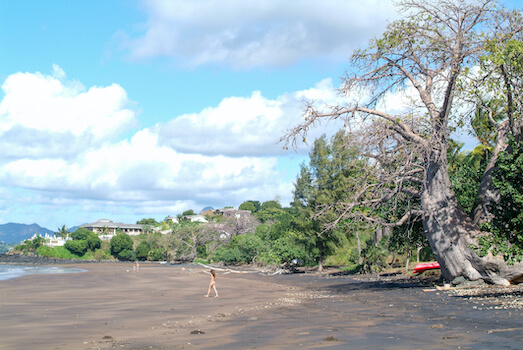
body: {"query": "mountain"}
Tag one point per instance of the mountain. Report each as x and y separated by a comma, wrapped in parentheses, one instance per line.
(14, 233)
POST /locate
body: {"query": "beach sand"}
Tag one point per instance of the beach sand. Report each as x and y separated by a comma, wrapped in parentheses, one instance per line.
(163, 307)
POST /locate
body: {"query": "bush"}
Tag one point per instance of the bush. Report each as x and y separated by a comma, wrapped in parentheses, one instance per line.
(120, 243)
(56, 252)
(127, 254)
(93, 241)
(158, 254)
(76, 247)
(80, 234)
(142, 251)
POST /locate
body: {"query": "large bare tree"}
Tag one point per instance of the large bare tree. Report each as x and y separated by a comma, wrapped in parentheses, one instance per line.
(426, 55)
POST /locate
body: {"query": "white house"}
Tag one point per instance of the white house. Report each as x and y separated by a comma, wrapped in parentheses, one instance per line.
(106, 228)
(52, 241)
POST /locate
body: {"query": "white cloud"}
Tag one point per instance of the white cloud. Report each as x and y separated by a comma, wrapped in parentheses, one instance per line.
(43, 115)
(245, 34)
(250, 125)
(57, 152)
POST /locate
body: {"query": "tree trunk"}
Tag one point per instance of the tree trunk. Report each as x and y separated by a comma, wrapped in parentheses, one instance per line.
(407, 262)
(358, 243)
(320, 263)
(486, 193)
(451, 232)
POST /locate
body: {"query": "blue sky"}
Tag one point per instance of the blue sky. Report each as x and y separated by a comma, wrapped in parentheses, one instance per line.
(130, 109)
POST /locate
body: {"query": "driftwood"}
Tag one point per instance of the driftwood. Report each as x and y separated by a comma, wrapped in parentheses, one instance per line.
(227, 270)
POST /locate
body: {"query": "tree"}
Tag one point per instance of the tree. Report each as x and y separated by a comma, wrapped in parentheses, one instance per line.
(78, 247)
(507, 223)
(321, 184)
(256, 204)
(188, 236)
(248, 206)
(93, 241)
(80, 234)
(151, 222)
(142, 250)
(188, 212)
(62, 231)
(423, 56)
(121, 246)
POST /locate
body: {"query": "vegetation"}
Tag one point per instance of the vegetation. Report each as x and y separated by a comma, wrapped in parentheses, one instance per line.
(388, 186)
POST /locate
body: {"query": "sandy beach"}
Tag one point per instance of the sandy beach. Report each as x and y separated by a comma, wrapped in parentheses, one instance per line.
(163, 307)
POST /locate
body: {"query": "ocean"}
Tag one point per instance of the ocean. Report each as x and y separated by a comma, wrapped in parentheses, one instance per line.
(8, 272)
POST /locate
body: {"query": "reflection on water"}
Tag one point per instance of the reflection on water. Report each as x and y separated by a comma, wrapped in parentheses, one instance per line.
(8, 272)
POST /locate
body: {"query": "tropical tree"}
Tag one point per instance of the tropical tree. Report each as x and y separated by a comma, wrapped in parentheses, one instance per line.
(122, 246)
(321, 184)
(423, 57)
(62, 231)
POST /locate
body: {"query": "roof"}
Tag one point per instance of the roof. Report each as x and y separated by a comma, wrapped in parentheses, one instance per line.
(111, 224)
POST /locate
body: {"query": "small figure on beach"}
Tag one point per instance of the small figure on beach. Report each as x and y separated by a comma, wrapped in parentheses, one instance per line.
(136, 266)
(212, 285)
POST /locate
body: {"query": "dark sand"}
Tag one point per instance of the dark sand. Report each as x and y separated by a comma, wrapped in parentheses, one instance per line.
(163, 307)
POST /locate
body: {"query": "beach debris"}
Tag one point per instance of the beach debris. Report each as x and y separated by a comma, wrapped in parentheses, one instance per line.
(197, 331)
(107, 337)
(331, 338)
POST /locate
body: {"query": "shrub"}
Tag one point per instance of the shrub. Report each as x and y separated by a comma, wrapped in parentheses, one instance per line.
(80, 234)
(127, 254)
(142, 250)
(76, 247)
(93, 241)
(56, 252)
(120, 243)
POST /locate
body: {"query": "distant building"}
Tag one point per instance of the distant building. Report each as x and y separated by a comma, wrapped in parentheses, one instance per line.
(233, 213)
(106, 228)
(52, 241)
(191, 218)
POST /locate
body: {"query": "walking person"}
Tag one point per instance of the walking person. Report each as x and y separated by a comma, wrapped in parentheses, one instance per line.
(212, 284)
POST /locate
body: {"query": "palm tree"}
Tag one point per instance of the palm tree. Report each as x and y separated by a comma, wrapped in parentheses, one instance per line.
(62, 231)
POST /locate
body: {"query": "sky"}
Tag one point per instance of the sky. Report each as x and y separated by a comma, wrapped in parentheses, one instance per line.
(132, 109)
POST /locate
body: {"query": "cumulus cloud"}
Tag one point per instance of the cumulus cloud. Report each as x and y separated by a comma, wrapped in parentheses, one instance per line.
(62, 149)
(246, 126)
(47, 116)
(246, 34)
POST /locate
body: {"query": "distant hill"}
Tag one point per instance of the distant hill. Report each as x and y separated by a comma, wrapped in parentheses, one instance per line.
(14, 233)
(206, 208)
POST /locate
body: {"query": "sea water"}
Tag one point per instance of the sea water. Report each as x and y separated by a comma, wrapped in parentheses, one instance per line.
(8, 272)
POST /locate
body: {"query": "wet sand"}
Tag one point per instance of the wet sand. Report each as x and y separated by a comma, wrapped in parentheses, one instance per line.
(163, 307)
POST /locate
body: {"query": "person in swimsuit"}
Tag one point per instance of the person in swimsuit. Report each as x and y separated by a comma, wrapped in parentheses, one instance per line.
(212, 285)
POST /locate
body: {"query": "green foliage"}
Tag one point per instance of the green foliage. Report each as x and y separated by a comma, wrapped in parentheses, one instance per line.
(507, 224)
(142, 250)
(78, 247)
(93, 241)
(80, 234)
(56, 252)
(121, 246)
(270, 205)
(373, 257)
(247, 206)
(151, 222)
(256, 204)
(188, 212)
(62, 231)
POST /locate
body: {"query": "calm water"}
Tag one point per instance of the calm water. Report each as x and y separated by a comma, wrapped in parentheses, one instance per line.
(8, 272)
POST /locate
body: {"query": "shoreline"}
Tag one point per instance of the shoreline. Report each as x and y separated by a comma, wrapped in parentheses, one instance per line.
(163, 307)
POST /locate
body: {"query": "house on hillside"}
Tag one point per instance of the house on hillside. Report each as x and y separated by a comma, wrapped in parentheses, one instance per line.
(106, 228)
(233, 213)
(52, 241)
(191, 218)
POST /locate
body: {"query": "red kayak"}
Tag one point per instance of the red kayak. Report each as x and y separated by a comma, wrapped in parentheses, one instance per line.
(426, 266)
